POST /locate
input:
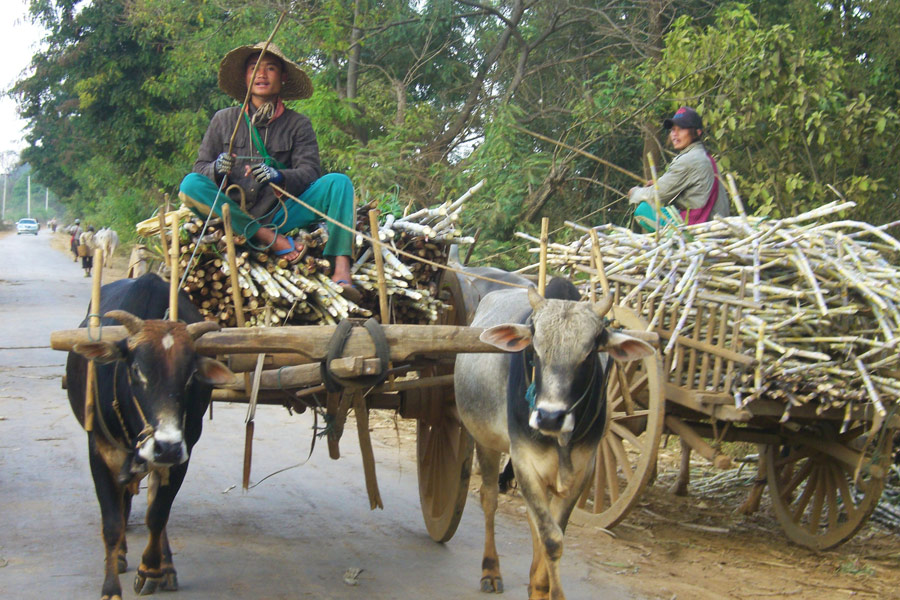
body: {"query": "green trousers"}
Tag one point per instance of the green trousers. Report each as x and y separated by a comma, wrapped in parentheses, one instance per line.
(332, 194)
(647, 218)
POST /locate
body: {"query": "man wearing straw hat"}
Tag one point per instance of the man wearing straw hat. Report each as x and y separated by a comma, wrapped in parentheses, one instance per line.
(691, 182)
(272, 145)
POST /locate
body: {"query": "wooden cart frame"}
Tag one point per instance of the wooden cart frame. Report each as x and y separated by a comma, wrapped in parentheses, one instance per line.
(825, 470)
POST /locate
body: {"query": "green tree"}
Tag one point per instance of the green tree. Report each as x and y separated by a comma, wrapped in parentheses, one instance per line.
(779, 113)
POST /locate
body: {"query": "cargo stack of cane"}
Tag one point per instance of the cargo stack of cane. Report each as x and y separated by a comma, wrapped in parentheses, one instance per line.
(413, 248)
(823, 325)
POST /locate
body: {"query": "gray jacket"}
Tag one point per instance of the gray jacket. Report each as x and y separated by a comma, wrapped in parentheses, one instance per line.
(688, 182)
(289, 139)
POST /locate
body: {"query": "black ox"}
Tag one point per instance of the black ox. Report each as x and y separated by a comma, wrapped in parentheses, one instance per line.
(152, 390)
(551, 424)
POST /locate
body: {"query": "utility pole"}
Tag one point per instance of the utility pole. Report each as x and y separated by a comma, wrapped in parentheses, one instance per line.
(46, 199)
(29, 196)
(3, 214)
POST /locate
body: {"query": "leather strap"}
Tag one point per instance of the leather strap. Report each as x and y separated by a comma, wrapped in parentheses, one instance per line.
(336, 344)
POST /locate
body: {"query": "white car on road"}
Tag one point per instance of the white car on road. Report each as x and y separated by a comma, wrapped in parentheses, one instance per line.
(27, 225)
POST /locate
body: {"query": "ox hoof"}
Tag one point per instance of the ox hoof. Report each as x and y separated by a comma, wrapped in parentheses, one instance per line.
(122, 564)
(145, 585)
(492, 584)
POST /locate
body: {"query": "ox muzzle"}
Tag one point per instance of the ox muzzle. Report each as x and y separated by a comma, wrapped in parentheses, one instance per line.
(163, 447)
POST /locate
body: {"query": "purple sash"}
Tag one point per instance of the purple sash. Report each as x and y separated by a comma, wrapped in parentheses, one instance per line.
(702, 214)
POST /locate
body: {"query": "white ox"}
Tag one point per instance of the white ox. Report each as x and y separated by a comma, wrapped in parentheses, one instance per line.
(107, 240)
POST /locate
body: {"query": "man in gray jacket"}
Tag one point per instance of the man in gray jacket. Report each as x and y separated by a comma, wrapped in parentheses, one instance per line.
(273, 145)
(691, 182)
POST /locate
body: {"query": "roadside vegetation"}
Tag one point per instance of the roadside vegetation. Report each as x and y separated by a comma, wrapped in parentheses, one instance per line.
(417, 101)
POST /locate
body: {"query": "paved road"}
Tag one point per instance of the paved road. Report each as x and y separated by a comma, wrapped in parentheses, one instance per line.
(293, 536)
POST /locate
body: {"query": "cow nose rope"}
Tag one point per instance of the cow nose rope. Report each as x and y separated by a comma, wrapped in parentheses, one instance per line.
(590, 391)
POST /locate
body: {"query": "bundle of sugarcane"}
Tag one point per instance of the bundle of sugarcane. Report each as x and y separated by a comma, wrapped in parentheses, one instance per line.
(820, 316)
(413, 248)
(297, 294)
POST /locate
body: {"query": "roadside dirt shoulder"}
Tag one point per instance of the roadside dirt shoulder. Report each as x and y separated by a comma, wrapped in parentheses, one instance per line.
(699, 548)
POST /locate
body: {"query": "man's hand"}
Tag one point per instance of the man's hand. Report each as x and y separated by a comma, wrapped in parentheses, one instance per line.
(224, 162)
(266, 174)
(632, 196)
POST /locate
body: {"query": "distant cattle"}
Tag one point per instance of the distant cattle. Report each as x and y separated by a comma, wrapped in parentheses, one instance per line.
(152, 390)
(107, 240)
(545, 403)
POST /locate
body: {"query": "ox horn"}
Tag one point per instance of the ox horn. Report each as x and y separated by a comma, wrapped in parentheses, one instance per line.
(133, 324)
(197, 329)
(603, 306)
(534, 298)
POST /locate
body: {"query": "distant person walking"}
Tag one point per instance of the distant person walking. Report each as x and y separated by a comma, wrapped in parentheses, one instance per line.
(86, 240)
(75, 232)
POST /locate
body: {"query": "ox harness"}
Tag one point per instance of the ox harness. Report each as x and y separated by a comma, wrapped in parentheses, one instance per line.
(131, 446)
(590, 397)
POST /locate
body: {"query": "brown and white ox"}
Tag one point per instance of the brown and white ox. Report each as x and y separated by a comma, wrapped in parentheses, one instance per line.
(543, 402)
(152, 389)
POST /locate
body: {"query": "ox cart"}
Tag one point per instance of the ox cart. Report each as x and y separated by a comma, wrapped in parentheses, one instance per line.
(405, 368)
(825, 467)
(824, 460)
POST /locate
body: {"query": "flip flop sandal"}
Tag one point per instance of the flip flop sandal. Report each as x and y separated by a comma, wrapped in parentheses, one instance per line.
(348, 291)
(293, 248)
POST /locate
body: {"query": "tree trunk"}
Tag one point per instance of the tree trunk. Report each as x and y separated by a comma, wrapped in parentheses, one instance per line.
(535, 201)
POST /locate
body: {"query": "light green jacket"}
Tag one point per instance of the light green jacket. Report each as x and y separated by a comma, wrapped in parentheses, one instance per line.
(687, 182)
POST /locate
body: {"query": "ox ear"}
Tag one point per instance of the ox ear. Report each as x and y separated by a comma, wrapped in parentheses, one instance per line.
(626, 348)
(102, 352)
(212, 372)
(512, 338)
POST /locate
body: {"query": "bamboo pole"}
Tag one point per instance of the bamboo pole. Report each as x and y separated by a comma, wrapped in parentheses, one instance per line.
(174, 273)
(230, 256)
(379, 266)
(164, 244)
(542, 271)
(90, 390)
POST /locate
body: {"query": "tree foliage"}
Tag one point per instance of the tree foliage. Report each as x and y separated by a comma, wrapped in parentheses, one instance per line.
(417, 100)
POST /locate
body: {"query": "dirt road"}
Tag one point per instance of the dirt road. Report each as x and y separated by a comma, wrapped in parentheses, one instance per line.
(293, 536)
(297, 533)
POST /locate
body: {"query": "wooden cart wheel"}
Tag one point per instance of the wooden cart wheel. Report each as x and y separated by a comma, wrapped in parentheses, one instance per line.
(444, 449)
(626, 457)
(817, 500)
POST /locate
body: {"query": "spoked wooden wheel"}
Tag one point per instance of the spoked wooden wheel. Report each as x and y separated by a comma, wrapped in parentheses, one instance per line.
(626, 457)
(444, 449)
(817, 500)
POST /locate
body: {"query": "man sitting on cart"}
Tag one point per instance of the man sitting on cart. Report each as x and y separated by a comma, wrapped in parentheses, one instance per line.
(273, 145)
(691, 183)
